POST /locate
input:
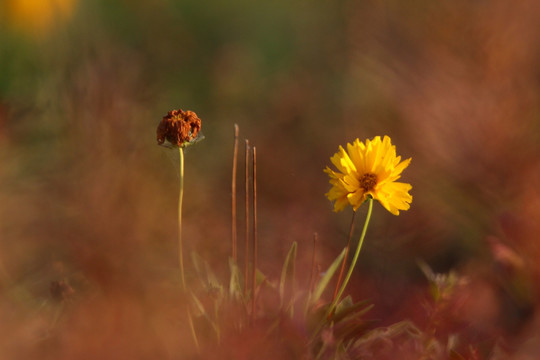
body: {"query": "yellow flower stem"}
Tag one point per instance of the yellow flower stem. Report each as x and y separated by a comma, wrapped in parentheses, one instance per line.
(180, 198)
(353, 263)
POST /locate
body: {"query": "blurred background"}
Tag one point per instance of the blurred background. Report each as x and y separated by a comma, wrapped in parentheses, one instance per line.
(88, 264)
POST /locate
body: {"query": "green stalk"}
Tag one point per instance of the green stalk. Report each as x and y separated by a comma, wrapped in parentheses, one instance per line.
(353, 263)
(181, 245)
(345, 258)
(180, 198)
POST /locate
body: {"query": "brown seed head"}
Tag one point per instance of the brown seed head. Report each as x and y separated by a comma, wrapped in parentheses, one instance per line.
(178, 127)
(368, 181)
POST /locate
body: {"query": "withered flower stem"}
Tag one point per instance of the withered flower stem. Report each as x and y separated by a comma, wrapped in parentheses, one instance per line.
(255, 240)
(246, 253)
(233, 190)
(312, 276)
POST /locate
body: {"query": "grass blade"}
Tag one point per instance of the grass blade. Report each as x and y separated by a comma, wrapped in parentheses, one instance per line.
(288, 267)
(235, 289)
(325, 280)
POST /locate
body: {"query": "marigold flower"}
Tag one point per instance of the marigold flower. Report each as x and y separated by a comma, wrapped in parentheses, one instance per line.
(179, 128)
(369, 169)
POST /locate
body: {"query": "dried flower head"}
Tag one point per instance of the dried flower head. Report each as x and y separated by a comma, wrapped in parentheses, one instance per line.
(369, 169)
(179, 128)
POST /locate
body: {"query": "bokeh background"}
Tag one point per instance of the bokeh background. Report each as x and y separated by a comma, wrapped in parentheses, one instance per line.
(88, 264)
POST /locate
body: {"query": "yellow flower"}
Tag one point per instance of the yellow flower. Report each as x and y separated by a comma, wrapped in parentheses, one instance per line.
(369, 169)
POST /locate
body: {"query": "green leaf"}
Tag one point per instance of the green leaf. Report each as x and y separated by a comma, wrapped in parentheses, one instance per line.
(235, 288)
(207, 277)
(259, 277)
(211, 278)
(346, 307)
(199, 306)
(321, 286)
(288, 267)
(202, 312)
(197, 263)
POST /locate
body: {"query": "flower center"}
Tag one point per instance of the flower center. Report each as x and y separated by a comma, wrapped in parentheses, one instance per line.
(368, 181)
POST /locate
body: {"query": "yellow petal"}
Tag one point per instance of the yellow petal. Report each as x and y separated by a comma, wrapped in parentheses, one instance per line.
(357, 198)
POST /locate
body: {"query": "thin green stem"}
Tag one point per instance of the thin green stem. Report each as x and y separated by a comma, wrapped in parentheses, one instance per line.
(346, 257)
(180, 198)
(181, 245)
(353, 263)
